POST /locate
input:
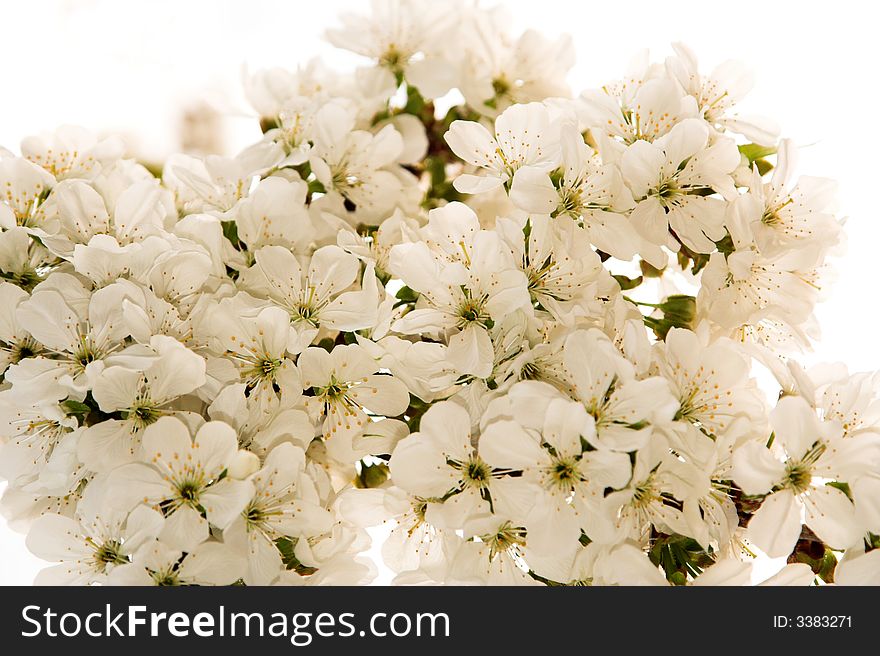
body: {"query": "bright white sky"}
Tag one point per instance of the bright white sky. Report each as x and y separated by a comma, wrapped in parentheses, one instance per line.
(130, 65)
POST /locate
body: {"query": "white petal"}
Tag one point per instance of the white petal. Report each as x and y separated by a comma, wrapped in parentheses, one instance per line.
(776, 525)
(641, 165)
(476, 184)
(166, 437)
(533, 191)
(505, 444)
(226, 500)
(213, 563)
(184, 529)
(793, 574)
(684, 140)
(726, 572)
(419, 467)
(795, 424)
(650, 220)
(214, 446)
(264, 560)
(470, 352)
(56, 538)
(448, 425)
(315, 367)
(107, 444)
(472, 143)
(755, 469)
(381, 394)
(831, 516)
(136, 483)
(866, 493)
(863, 569)
(142, 526)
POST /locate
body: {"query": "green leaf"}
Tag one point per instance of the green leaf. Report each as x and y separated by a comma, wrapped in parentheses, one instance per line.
(679, 557)
(628, 283)
(230, 231)
(755, 152)
(74, 407)
(407, 295)
(415, 103)
(843, 487)
(764, 167)
(726, 245)
(372, 475)
(436, 168)
(679, 311)
(649, 271)
(327, 344)
(414, 412)
(286, 547)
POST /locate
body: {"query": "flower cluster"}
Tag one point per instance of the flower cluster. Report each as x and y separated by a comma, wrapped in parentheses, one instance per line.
(520, 327)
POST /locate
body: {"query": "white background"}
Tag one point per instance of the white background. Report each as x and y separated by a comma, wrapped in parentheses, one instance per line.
(130, 67)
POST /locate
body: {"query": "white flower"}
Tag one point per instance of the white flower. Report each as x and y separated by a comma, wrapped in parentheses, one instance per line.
(440, 463)
(356, 164)
(416, 550)
(499, 69)
(175, 270)
(813, 454)
(215, 184)
(89, 548)
(669, 178)
(623, 407)
(210, 563)
(23, 187)
(395, 33)
(250, 341)
(15, 342)
(142, 394)
(144, 314)
(770, 299)
(562, 269)
(523, 136)
(644, 503)
(280, 507)
(717, 93)
(779, 217)
(32, 433)
(23, 260)
(74, 326)
(636, 108)
(321, 297)
(275, 215)
(711, 381)
(478, 286)
(345, 385)
(492, 555)
(591, 193)
(71, 152)
(260, 426)
(547, 445)
(187, 478)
